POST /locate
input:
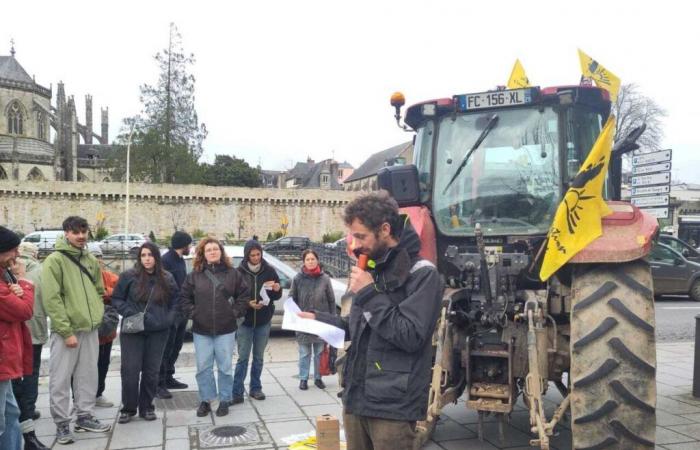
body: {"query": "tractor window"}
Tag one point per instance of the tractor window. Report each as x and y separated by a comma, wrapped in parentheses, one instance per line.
(510, 184)
(583, 128)
(423, 157)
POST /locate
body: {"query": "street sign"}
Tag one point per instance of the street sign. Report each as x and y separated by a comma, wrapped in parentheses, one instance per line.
(648, 180)
(653, 200)
(651, 168)
(663, 189)
(651, 158)
(659, 213)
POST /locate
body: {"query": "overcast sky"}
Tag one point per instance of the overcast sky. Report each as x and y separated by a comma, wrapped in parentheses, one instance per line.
(278, 81)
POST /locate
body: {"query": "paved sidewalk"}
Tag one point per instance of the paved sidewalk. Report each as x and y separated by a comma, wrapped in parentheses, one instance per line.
(289, 412)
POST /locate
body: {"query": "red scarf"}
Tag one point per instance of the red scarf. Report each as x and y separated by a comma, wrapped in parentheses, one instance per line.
(313, 273)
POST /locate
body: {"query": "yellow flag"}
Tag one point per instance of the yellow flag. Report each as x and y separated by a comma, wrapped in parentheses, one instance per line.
(603, 77)
(577, 222)
(518, 79)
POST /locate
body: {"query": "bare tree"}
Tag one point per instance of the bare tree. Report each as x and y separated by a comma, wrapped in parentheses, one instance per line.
(632, 109)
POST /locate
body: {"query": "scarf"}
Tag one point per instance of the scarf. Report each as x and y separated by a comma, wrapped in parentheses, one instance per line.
(313, 273)
(255, 268)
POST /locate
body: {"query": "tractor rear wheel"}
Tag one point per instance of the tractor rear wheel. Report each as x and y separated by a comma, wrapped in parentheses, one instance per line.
(613, 357)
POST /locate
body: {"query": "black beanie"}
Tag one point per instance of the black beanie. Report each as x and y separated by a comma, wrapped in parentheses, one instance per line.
(180, 240)
(8, 239)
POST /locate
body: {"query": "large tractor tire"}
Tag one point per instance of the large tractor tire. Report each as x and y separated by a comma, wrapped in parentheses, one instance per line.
(613, 357)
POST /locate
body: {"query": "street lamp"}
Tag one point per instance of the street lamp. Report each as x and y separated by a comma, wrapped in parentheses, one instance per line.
(128, 175)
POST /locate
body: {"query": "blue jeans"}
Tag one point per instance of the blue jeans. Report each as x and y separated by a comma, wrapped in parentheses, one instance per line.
(305, 360)
(247, 338)
(10, 434)
(206, 350)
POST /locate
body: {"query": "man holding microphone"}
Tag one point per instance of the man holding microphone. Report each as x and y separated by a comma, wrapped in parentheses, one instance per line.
(395, 308)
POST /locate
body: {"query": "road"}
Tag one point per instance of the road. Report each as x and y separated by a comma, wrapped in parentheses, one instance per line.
(675, 319)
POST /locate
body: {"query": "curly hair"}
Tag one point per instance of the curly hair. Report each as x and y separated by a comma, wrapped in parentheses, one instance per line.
(199, 259)
(373, 210)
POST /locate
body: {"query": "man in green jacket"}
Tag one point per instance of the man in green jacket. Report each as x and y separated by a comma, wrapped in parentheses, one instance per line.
(72, 289)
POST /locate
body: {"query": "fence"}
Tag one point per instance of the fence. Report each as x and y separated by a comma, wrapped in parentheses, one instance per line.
(334, 259)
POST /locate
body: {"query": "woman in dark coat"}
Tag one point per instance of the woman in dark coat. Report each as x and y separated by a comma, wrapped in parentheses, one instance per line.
(214, 295)
(150, 289)
(311, 291)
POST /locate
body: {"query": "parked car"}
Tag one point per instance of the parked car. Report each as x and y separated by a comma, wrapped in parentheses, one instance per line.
(122, 243)
(673, 273)
(44, 239)
(288, 245)
(340, 243)
(284, 271)
(681, 247)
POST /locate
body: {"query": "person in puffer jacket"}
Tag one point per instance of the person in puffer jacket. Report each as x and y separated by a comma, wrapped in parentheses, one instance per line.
(16, 307)
(214, 295)
(255, 330)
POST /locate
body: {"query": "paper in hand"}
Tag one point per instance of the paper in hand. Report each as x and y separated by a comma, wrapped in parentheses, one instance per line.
(263, 295)
(333, 335)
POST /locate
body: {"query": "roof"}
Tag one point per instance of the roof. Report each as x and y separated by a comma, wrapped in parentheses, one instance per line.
(377, 161)
(10, 69)
(299, 170)
(312, 179)
(345, 165)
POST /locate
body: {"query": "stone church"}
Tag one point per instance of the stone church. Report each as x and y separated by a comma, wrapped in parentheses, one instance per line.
(42, 141)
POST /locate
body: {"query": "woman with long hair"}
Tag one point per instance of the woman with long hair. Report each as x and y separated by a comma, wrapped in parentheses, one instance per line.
(149, 289)
(311, 291)
(214, 295)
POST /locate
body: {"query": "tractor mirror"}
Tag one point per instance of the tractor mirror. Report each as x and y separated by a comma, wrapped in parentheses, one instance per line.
(402, 183)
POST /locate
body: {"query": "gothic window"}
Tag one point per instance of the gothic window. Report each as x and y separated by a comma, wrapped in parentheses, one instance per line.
(41, 125)
(15, 119)
(35, 175)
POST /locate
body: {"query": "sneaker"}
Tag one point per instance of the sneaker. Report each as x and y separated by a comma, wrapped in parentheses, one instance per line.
(36, 415)
(257, 395)
(237, 399)
(222, 410)
(125, 417)
(204, 409)
(148, 415)
(90, 423)
(63, 434)
(102, 402)
(163, 393)
(319, 384)
(172, 383)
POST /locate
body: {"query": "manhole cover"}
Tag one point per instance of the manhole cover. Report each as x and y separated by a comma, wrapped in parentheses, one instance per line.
(247, 436)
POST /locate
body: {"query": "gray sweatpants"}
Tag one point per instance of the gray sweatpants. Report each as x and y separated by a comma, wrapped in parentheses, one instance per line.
(80, 363)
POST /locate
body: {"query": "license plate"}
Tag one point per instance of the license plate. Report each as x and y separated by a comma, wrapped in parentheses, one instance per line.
(495, 99)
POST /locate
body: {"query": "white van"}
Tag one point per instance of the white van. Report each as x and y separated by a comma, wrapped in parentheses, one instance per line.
(45, 239)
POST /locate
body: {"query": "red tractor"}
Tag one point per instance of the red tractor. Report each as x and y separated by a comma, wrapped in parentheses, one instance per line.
(489, 171)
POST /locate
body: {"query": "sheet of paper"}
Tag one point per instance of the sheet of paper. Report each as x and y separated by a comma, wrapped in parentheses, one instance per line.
(263, 295)
(333, 335)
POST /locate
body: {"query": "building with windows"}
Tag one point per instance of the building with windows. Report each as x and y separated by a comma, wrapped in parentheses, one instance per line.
(364, 178)
(42, 141)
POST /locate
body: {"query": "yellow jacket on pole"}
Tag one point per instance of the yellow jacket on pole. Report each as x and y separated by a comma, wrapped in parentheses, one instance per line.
(577, 222)
(518, 79)
(603, 78)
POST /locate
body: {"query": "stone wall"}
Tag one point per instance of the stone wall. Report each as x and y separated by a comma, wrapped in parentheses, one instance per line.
(25, 206)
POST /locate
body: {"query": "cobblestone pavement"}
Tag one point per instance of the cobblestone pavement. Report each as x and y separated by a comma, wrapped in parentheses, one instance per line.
(288, 412)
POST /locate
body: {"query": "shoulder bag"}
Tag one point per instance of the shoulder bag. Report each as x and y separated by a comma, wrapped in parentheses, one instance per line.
(134, 323)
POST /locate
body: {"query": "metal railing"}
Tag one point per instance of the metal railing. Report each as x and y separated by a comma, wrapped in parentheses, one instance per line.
(334, 259)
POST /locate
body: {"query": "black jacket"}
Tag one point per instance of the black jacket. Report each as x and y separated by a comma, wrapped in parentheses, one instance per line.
(391, 324)
(175, 264)
(210, 309)
(125, 298)
(262, 316)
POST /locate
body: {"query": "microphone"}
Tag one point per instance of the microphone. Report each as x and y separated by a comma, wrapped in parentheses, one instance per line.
(362, 261)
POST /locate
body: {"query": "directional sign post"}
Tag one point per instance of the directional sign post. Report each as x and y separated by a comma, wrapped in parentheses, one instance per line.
(651, 183)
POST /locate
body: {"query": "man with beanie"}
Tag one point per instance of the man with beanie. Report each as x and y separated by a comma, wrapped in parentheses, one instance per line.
(174, 262)
(72, 290)
(26, 389)
(16, 307)
(255, 330)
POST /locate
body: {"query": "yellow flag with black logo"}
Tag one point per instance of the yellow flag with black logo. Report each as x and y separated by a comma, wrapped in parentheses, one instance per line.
(603, 78)
(518, 79)
(577, 222)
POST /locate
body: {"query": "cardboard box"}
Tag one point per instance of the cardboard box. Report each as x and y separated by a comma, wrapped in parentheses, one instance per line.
(327, 432)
